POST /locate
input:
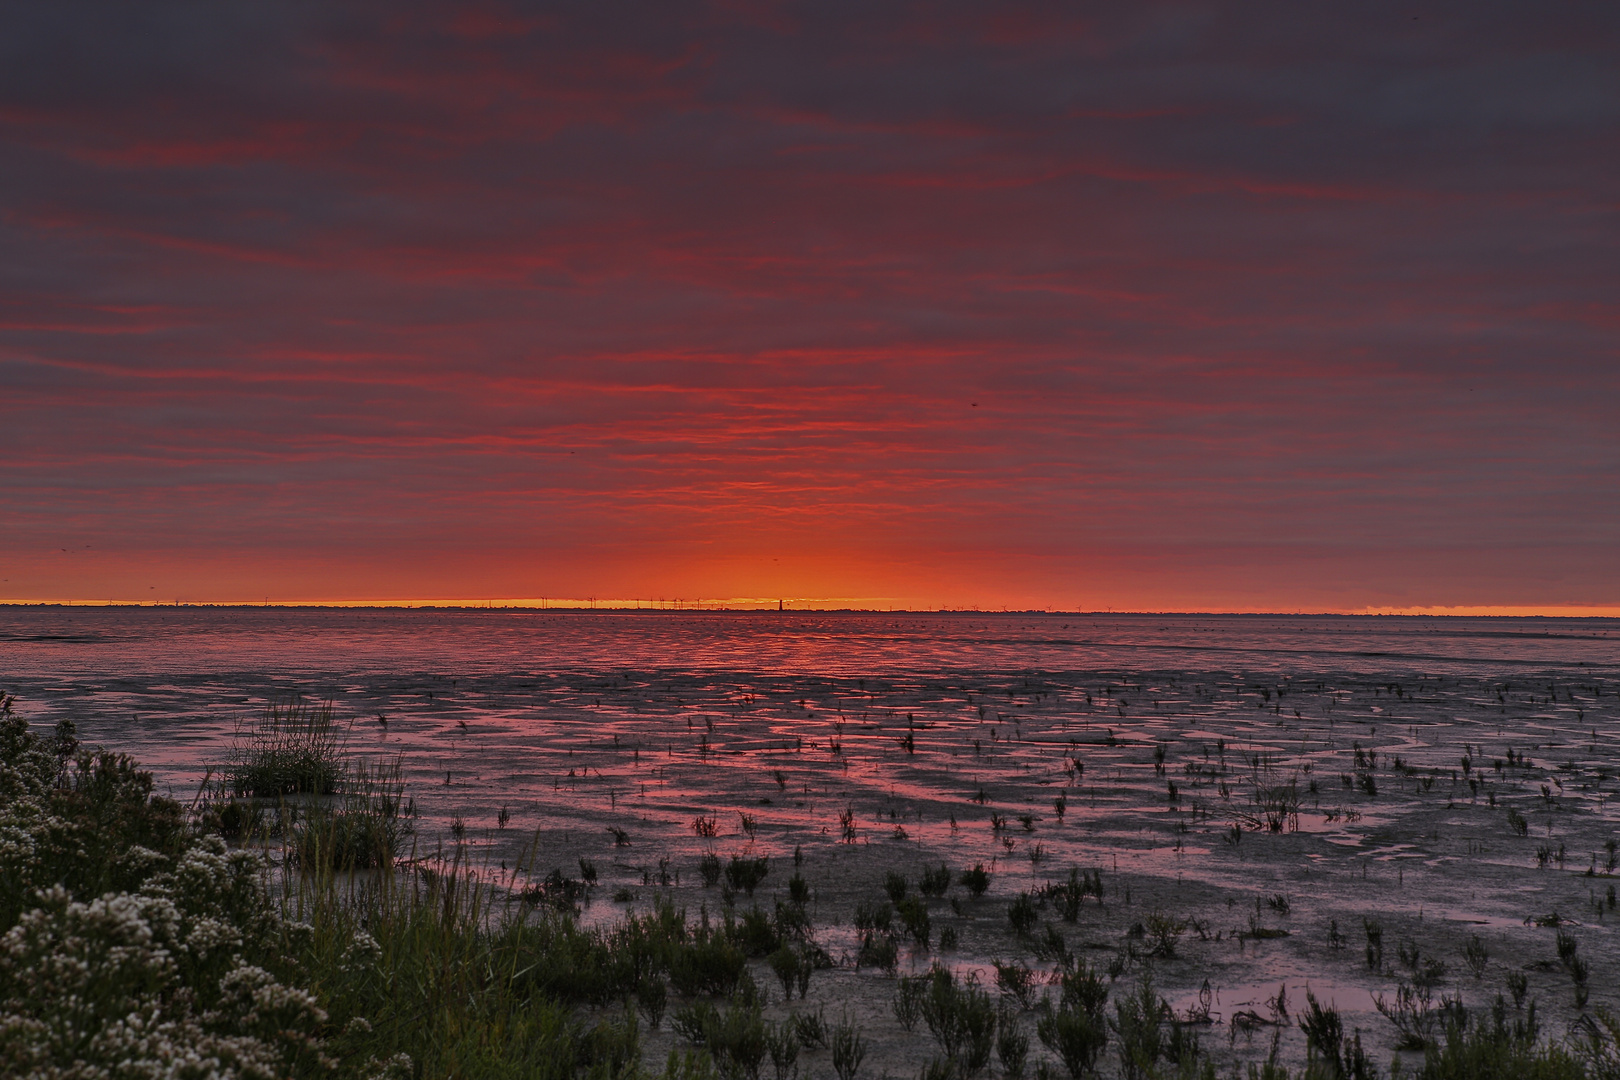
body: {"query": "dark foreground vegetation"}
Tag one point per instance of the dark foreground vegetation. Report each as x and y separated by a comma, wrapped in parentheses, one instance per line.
(143, 938)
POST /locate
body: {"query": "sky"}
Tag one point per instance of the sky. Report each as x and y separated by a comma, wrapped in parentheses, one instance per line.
(1149, 306)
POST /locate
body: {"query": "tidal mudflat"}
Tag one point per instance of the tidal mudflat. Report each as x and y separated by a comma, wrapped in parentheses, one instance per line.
(1384, 814)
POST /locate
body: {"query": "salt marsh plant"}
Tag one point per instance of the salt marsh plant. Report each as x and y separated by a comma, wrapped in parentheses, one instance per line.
(874, 927)
(1518, 984)
(1067, 896)
(962, 1020)
(1414, 1013)
(744, 873)
(913, 912)
(792, 965)
(293, 748)
(1075, 1027)
(174, 949)
(1276, 805)
(367, 824)
(1022, 914)
(908, 999)
(782, 1044)
(848, 1049)
(934, 882)
(1517, 823)
(1476, 956)
(1148, 1034)
(976, 880)
(1012, 1044)
(1326, 1048)
(895, 885)
(812, 1029)
(1016, 982)
(1375, 944)
(1162, 933)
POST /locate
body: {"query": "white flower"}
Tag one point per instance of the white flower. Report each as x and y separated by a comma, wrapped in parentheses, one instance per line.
(362, 954)
(397, 1067)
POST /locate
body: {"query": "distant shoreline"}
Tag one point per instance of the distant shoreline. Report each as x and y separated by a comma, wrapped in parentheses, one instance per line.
(674, 607)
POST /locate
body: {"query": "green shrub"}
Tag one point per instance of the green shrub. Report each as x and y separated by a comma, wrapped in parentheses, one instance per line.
(811, 1028)
(652, 998)
(1148, 1033)
(848, 1049)
(1012, 1045)
(873, 918)
(1076, 1037)
(782, 1044)
(756, 934)
(1326, 1047)
(792, 966)
(1017, 982)
(1081, 988)
(737, 1040)
(908, 999)
(798, 890)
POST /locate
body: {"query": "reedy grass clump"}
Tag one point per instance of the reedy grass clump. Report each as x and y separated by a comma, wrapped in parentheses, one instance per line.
(367, 824)
(294, 748)
(935, 881)
(437, 972)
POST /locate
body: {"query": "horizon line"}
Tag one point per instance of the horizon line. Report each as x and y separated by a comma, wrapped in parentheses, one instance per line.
(857, 605)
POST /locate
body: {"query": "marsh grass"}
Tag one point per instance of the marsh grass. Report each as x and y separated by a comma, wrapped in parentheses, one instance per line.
(293, 748)
(367, 824)
(448, 976)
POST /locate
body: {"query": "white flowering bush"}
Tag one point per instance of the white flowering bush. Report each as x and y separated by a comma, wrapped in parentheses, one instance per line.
(86, 821)
(140, 985)
(126, 950)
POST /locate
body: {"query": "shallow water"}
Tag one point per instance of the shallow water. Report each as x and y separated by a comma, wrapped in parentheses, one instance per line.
(948, 738)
